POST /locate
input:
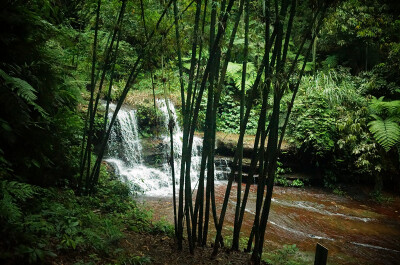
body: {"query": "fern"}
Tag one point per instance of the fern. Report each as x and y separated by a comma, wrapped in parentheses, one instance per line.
(20, 191)
(308, 67)
(234, 72)
(387, 108)
(330, 62)
(23, 90)
(9, 209)
(386, 126)
(386, 132)
(14, 192)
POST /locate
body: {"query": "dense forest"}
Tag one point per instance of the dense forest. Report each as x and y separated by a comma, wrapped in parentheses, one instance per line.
(295, 97)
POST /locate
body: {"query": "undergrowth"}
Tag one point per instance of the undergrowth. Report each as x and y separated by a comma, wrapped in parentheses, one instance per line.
(287, 255)
(39, 224)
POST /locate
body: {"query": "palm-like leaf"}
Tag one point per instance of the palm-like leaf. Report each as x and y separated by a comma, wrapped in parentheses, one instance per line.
(386, 132)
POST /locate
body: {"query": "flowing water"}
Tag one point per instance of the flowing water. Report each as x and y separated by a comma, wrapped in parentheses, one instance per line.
(125, 153)
(355, 230)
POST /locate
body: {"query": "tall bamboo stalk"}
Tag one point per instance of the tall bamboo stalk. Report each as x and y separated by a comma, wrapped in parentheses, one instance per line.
(188, 100)
(277, 51)
(108, 98)
(189, 124)
(208, 124)
(241, 136)
(87, 147)
(235, 241)
(273, 150)
(260, 130)
(108, 58)
(147, 38)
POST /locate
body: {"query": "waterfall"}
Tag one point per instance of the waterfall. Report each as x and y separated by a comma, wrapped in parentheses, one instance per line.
(124, 139)
(163, 105)
(125, 153)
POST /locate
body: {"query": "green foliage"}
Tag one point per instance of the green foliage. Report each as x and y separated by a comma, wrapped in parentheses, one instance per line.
(281, 181)
(386, 108)
(39, 223)
(162, 227)
(229, 112)
(23, 90)
(386, 124)
(359, 33)
(329, 126)
(297, 183)
(386, 132)
(39, 126)
(228, 119)
(15, 197)
(134, 260)
(13, 193)
(34, 254)
(330, 62)
(380, 198)
(288, 255)
(234, 74)
(312, 124)
(338, 191)
(149, 120)
(229, 237)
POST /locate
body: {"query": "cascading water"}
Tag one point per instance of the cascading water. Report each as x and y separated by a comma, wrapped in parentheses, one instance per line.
(124, 139)
(163, 106)
(126, 156)
(221, 169)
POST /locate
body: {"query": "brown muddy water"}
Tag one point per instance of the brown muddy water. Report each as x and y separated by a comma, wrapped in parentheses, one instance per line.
(354, 229)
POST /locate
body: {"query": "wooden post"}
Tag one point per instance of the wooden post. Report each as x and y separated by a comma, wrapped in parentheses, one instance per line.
(321, 255)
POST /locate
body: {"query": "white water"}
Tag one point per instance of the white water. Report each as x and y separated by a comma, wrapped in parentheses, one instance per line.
(124, 139)
(125, 154)
(177, 142)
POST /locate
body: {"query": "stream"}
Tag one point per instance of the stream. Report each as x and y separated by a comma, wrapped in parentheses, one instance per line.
(353, 228)
(355, 231)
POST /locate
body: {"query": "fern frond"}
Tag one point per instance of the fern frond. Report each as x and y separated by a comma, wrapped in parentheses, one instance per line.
(234, 72)
(376, 117)
(386, 132)
(23, 90)
(19, 191)
(388, 108)
(393, 107)
(12, 193)
(9, 210)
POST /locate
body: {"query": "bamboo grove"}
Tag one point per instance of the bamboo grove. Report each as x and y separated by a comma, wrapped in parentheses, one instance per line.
(211, 49)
